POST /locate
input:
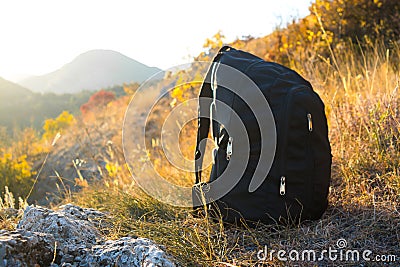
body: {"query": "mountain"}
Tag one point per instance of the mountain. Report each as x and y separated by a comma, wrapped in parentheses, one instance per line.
(12, 93)
(92, 70)
(14, 103)
(20, 107)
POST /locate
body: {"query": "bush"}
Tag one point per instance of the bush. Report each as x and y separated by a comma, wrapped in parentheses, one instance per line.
(53, 126)
(97, 102)
(16, 174)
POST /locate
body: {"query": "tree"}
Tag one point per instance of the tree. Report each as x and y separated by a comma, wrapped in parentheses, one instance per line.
(97, 102)
(330, 26)
(360, 20)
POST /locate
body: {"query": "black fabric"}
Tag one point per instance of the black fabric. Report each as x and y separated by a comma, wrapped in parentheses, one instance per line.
(303, 155)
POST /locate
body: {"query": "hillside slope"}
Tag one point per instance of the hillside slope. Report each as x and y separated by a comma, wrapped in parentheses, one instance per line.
(14, 100)
(10, 90)
(91, 70)
(20, 107)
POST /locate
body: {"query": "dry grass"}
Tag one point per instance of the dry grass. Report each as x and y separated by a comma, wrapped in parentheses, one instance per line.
(362, 103)
(10, 211)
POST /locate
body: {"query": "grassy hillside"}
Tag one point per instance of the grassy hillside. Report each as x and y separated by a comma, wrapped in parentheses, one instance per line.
(363, 113)
(362, 106)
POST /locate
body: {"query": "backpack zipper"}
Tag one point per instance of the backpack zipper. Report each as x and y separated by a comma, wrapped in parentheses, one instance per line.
(284, 129)
(310, 124)
(229, 148)
(282, 187)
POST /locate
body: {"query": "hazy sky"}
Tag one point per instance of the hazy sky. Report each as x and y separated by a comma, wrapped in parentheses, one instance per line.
(39, 36)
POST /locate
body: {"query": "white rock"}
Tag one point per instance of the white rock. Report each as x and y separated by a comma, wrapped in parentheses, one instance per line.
(68, 230)
(128, 251)
(70, 237)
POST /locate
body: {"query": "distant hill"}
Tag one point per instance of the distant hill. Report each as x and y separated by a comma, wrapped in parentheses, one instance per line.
(14, 103)
(9, 90)
(20, 107)
(12, 95)
(92, 70)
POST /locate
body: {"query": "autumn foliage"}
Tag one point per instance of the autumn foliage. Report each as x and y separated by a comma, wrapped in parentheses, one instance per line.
(97, 102)
(15, 173)
(332, 26)
(53, 126)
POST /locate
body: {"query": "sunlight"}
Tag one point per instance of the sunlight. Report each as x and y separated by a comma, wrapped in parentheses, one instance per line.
(41, 36)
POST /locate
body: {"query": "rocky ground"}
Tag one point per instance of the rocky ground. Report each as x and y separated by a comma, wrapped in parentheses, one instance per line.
(74, 236)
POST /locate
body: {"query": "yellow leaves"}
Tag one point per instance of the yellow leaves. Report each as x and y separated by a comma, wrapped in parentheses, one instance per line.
(54, 126)
(215, 42)
(18, 166)
(378, 3)
(6, 157)
(114, 172)
(284, 39)
(322, 5)
(328, 37)
(310, 21)
(131, 88)
(179, 92)
(15, 172)
(22, 165)
(310, 35)
(184, 88)
(113, 169)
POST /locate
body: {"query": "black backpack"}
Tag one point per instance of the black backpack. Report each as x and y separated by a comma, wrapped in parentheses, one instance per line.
(294, 186)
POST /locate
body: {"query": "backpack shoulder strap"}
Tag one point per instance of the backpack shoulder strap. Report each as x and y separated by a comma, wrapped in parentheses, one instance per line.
(206, 97)
(203, 124)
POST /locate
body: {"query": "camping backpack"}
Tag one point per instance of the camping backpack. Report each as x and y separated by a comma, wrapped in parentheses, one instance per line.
(294, 185)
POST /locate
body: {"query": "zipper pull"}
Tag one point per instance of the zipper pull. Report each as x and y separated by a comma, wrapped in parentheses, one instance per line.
(282, 188)
(229, 148)
(310, 126)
